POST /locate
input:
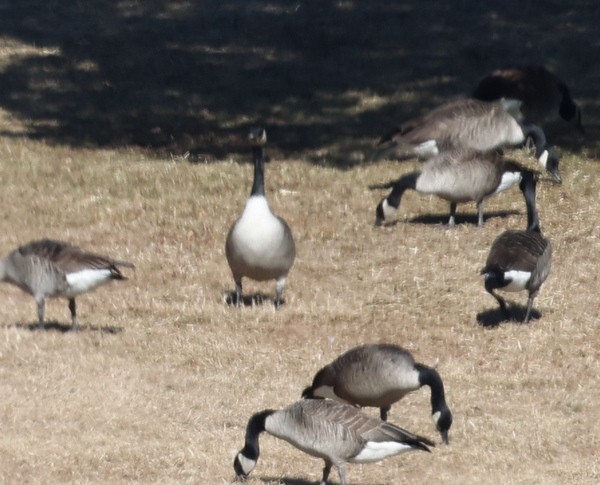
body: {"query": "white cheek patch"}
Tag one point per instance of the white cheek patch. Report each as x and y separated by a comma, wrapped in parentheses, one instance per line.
(519, 280)
(508, 180)
(543, 158)
(436, 417)
(247, 464)
(427, 149)
(87, 280)
(374, 451)
(388, 210)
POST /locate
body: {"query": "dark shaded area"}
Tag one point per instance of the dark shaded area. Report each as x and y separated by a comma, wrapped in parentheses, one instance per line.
(64, 328)
(327, 78)
(442, 219)
(494, 317)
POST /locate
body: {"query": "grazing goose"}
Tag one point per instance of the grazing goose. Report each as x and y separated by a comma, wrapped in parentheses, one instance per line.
(519, 260)
(336, 432)
(468, 124)
(49, 269)
(456, 176)
(379, 375)
(259, 244)
(540, 91)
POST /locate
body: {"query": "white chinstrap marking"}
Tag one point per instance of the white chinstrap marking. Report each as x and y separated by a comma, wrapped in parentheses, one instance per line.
(374, 451)
(519, 280)
(86, 280)
(246, 463)
(544, 158)
(388, 210)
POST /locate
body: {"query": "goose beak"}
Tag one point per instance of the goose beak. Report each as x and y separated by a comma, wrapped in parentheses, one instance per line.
(444, 435)
(556, 174)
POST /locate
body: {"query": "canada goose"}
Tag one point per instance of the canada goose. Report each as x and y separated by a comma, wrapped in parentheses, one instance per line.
(336, 432)
(468, 124)
(542, 93)
(259, 244)
(457, 176)
(519, 260)
(378, 375)
(49, 269)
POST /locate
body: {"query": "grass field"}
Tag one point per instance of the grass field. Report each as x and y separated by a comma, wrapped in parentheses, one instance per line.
(122, 130)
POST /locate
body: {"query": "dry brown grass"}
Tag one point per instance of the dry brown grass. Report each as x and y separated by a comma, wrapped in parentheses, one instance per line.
(160, 382)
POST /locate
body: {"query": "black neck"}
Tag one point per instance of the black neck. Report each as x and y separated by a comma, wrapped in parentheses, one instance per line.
(255, 427)
(258, 187)
(528, 187)
(537, 135)
(409, 181)
(430, 377)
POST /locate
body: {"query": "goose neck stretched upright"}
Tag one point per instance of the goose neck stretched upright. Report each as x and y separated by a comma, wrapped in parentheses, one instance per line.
(528, 187)
(258, 186)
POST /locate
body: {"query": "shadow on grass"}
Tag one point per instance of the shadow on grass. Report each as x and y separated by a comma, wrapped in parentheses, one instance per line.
(494, 317)
(64, 328)
(326, 78)
(254, 299)
(442, 219)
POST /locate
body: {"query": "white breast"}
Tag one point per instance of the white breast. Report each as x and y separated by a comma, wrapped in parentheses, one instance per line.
(519, 280)
(86, 280)
(258, 232)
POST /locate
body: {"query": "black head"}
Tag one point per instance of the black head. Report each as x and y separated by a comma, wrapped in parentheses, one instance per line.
(551, 164)
(443, 423)
(379, 215)
(257, 136)
(308, 393)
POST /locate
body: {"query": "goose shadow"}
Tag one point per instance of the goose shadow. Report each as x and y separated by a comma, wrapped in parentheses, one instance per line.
(492, 318)
(442, 219)
(252, 299)
(55, 326)
(437, 219)
(292, 481)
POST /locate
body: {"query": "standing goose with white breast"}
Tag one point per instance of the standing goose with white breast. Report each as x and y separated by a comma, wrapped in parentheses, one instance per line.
(259, 244)
(519, 260)
(50, 269)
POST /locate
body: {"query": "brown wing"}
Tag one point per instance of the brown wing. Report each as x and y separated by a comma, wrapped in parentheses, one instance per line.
(69, 258)
(518, 250)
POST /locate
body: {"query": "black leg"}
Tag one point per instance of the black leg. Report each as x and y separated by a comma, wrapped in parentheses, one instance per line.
(73, 309)
(383, 412)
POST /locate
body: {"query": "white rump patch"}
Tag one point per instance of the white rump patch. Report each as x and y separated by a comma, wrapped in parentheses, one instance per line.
(86, 280)
(543, 158)
(374, 451)
(427, 149)
(388, 210)
(508, 180)
(519, 280)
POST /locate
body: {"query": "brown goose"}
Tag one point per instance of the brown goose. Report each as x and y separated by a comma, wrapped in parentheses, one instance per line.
(543, 94)
(259, 244)
(468, 124)
(379, 375)
(456, 176)
(336, 432)
(519, 260)
(49, 269)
